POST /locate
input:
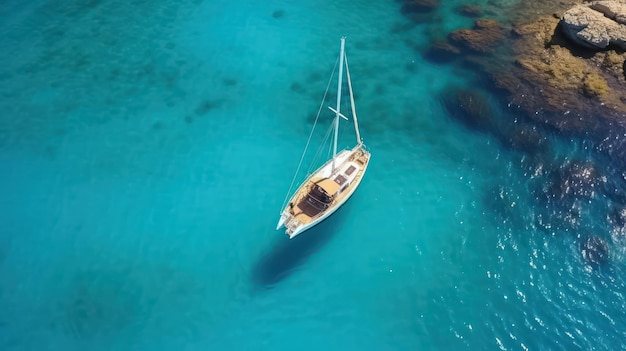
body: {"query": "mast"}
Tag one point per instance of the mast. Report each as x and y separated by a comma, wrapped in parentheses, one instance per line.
(338, 111)
(356, 123)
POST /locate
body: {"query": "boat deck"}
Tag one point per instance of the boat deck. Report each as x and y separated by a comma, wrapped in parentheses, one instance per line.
(306, 206)
(314, 201)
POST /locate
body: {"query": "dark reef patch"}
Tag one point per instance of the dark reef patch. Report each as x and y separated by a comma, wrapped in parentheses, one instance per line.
(207, 106)
(157, 126)
(229, 82)
(418, 6)
(570, 196)
(505, 204)
(617, 216)
(297, 88)
(402, 27)
(113, 297)
(96, 306)
(468, 106)
(419, 11)
(101, 55)
(441, 52)
(315, 76)
(72, 9)
(380, 89)
(527, 138)
(614, 185)
(469, 10)
(580, 179)
(278, 14)
(595, 251)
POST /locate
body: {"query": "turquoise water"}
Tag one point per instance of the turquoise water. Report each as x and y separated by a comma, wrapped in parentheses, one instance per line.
(146, 149)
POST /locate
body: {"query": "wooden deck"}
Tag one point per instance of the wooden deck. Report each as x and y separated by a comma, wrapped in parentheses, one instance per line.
(305, 207)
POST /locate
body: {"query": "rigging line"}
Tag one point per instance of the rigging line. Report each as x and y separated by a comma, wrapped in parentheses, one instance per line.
(330, 149)
(319, 150)
(344, 89)
(354, 119)
(319, 110)
(343, 129)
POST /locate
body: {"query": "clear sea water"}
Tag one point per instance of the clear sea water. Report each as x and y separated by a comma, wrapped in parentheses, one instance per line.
(146, 149)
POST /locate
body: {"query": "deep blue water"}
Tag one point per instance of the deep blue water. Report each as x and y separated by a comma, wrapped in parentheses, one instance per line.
(146, 148)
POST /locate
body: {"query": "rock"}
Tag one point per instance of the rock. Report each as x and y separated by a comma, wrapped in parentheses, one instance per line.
(469, 107)
(557, 82)
(618, 216)
(278, 14)
(469, 10)
(484, 37)
(612, 59)
(419, 11)
(595, 85)
(527, 138)
(442, 51)
(614, 10)
(595, 26)
(419, 6)
(577, 179)
(595, 251)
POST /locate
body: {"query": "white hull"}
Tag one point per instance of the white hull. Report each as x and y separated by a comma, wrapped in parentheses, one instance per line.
(327, 214)
(296, 224)
(331, 185)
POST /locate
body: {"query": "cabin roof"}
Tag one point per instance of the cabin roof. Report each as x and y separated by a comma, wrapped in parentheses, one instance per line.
(329, 186)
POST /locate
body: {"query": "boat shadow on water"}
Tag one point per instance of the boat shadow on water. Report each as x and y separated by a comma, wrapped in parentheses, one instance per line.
(286, 255)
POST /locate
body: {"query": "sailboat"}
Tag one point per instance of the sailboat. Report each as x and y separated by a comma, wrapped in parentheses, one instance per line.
(326, 189)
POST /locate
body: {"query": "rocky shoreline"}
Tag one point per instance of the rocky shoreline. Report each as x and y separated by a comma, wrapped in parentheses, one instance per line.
(572, 78)
(562, 64)
(560, 67)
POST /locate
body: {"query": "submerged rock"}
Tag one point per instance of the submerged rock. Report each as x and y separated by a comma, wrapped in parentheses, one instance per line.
(441, 51)
(419, 11)
(615, 10)
(568, 87)
(527, 138)
(469, 10)
(542, 72)
(278, 14)
(597, 25)
(469, 107)
(595, 251)
(577, 179)
(618, 216)
(485, 36)
(419, 6)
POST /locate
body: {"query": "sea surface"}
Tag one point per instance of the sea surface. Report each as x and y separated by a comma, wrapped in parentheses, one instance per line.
(146, 148)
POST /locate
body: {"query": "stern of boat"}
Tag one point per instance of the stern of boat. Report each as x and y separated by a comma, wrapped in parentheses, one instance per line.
(281, 221)
(294, 229)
